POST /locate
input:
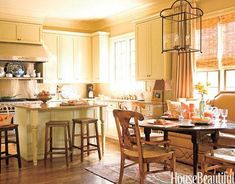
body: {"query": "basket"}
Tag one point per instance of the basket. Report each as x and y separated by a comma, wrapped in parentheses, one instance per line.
(6, 118)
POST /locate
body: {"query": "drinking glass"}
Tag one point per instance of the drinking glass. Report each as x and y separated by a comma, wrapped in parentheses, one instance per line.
(216, 113)
(224, 114)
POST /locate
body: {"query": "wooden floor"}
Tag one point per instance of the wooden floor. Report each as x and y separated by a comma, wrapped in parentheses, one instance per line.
(57, 172)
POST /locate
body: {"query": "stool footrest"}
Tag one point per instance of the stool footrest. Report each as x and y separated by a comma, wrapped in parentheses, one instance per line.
(88, 137)
(79, 147)
(9, 156)
(59, 148)
(56, 152)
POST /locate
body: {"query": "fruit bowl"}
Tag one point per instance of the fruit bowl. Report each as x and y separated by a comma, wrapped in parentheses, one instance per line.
(44, 99)
(44, 96)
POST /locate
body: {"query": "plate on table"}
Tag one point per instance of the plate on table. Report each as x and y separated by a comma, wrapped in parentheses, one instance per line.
(202, 123)
(186, 125)
(169, 118)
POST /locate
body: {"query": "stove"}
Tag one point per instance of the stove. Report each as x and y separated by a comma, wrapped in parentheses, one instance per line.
(9, 104)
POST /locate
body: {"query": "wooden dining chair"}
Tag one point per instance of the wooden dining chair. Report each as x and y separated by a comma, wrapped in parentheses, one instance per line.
(222, 158)
(139, 107)
(139, 151)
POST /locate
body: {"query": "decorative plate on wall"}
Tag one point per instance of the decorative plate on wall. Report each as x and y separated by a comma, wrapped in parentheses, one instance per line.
(16, 68)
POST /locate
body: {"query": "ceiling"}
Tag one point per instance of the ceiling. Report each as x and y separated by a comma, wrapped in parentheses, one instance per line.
(71, 9)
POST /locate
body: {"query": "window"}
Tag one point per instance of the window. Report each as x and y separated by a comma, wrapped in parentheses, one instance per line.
(217, 62)
(229, 80)
(211, 77)
(123, 64)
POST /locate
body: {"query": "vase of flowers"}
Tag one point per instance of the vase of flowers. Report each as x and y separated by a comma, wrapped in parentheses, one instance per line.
(202, 90)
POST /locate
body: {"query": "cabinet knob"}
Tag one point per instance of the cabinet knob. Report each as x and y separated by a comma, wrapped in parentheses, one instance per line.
(18, 38)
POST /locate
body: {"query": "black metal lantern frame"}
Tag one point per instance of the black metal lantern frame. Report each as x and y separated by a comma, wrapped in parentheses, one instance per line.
(178, 22)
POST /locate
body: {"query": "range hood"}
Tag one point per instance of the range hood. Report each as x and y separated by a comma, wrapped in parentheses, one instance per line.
(22, 52)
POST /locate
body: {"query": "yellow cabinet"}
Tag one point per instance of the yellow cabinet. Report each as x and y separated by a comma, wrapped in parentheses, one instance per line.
(151, 64)
(100, 56)
(20, 32)
(8, 31)
(66, 58)
(82, 59)
(69, 57)
(50, 68)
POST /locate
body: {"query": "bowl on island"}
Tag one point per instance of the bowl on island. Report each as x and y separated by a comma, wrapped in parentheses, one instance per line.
(44, 96)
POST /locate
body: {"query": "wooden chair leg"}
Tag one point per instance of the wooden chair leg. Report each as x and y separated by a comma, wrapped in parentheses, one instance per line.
(0, 150)
(173, 166)
(121, 169)
(73, 137)
(88, 140)
(70, 144)
(97, 140)
(6, 147)
(46, 145)
(18, 147)
(141, 172)
(82, 148)
(51, 143)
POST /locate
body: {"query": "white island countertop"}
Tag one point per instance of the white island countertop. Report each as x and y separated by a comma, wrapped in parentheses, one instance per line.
(54, 106)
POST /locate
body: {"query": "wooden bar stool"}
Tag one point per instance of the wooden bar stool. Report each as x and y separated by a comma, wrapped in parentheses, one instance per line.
(67, 139)
(6, 129)
(86, 122)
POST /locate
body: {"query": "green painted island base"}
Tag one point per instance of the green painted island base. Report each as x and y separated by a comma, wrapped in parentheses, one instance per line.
(32, 119)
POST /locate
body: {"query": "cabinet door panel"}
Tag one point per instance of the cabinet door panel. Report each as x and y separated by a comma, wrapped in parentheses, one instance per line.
(156, 57)
(66, 57)
(141, 51)
(51, 67)
(29, 33)
(82, 58)
(8, 31)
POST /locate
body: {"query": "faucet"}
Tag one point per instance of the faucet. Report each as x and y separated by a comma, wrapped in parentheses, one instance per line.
(58, 91)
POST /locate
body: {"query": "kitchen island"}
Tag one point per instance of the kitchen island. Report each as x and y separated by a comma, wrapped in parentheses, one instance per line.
(32, 118)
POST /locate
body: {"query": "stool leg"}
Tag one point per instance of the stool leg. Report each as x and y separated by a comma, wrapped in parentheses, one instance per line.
(0, 150)
(88, 140)
(18, 147)
(66, 146)
(97, 140)
(6, 147)
(50, 144)
(82, 148)
(46, 145)
(73, 137)
(70, 144)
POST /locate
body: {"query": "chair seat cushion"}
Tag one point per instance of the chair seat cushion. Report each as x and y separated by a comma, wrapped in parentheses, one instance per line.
(225, 154)
(149, 151)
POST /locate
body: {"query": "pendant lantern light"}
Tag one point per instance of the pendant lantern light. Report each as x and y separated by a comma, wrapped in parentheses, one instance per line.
(178, 25)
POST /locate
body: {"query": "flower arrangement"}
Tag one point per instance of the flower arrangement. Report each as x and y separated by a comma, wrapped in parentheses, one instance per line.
(202, 88)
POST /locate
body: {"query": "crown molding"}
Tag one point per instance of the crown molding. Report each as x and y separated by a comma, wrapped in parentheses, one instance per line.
(68, 24)
(18, 18)
(133, 15)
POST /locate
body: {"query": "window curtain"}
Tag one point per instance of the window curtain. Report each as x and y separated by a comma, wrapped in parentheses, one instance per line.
(182, 69)
(228, 36)
(182, 75)
(208, 58)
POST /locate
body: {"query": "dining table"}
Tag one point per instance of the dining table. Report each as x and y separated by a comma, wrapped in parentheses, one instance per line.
(197, 132)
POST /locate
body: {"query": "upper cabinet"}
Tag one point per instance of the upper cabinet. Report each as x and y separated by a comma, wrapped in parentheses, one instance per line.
(20, 32)
(50, 68)
(151, 64)
(100, 57)
(69, 57)
(82, 59)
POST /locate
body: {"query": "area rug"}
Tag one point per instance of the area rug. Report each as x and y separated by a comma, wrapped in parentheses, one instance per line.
(110, 172)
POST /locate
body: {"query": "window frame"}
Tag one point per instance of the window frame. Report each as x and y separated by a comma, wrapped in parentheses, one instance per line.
(225, 77)
(112, 70)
